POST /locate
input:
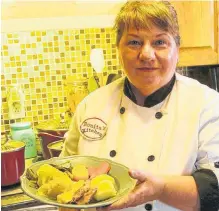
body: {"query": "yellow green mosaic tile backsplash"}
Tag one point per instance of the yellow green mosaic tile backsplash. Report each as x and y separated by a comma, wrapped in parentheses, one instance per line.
(40, 61)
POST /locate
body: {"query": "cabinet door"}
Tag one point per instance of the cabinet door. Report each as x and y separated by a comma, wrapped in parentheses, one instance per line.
(198, 22)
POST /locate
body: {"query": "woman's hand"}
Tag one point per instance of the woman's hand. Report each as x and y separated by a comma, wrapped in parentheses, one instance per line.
(149, 187)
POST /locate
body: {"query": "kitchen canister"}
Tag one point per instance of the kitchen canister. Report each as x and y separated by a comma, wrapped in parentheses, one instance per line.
(24, 132)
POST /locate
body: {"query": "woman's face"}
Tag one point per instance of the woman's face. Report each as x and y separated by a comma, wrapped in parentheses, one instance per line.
(149, 58)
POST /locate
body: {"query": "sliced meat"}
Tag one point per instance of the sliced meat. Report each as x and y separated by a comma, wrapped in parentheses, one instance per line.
(103, 168)
(87, 197)
(80, 193)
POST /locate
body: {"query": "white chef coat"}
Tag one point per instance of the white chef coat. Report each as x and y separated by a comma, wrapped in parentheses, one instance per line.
(184, 139)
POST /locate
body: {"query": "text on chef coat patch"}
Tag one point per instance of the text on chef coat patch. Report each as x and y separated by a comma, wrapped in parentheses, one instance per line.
(93, 128)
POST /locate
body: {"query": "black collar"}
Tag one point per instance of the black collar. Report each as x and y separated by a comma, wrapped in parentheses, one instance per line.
(153, 99)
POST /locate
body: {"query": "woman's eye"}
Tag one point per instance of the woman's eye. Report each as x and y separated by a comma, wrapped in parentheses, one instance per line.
(159, 42)
(134, 42)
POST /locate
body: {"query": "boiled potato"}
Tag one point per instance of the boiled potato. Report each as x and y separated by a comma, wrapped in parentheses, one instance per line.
(96, 180)
(66, 197)
(80, 172)
(105, 190)
(46, 173)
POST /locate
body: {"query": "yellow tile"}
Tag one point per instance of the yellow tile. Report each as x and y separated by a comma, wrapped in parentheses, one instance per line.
(50, 44)
(19, 70)
(56, 43)
(40, 118)
(51, 50)
(38, 39)
(55, 38)
(32, 85)
(34, 56)
(9, 35)
(14, 81)
(40, 56)
(28, 45)
(18, 64)
(32, 33)
(24, 63)
(46, 61)
(36, 68)
(5, 47)
(45, 50)
(43, 33)
(45, 111)
(5, 53)
(62, 59)
(27, 97)
(38, 33)
(42, 79)
(49, 95)
(29, 57)
(12, 58)
(37, 79)
(16, 41)
(35, 113)
(17, 58)
(25, 75)
(68, 59)
(6, 65)
(57, 60)
(23, 52)
(33, 45)
(66, 37)
(12, 64)
(29, 119)
(45, 44)
(10, 41)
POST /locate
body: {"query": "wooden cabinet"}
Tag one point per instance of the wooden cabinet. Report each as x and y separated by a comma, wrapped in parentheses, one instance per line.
(198, 21)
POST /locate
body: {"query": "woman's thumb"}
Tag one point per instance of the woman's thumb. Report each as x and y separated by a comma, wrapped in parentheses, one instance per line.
(139, 175)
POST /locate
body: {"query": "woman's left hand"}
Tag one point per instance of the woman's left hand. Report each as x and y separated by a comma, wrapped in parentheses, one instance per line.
(149, 187)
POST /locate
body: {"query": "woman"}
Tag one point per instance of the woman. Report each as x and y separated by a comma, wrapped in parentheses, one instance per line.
(149, 121)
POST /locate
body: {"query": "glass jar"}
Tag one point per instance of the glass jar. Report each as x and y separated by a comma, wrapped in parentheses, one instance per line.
(76, 92)
(24, 132)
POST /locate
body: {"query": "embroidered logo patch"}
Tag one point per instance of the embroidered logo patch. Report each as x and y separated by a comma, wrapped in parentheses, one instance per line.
(93, 128)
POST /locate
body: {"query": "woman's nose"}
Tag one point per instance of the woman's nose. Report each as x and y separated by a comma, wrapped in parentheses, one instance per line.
(147, 52)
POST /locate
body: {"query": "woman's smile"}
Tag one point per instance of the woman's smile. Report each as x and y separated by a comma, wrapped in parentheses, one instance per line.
(147, 69)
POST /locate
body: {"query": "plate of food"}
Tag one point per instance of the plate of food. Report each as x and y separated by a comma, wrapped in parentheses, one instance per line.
(79, 182)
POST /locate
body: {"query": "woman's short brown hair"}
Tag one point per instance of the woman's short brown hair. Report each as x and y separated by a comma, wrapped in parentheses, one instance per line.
(144, 14)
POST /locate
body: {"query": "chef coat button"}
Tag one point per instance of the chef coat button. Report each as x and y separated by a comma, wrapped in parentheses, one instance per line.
(112, 153)
(122, 110)
(158, 115)
(151, 158)
(216, 164)
(148, 207)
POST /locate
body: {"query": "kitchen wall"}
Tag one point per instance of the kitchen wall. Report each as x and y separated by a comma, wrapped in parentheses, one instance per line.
(40, 61)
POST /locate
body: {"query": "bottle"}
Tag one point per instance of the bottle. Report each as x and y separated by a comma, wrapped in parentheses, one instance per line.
(24, 132)
(15, 100)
